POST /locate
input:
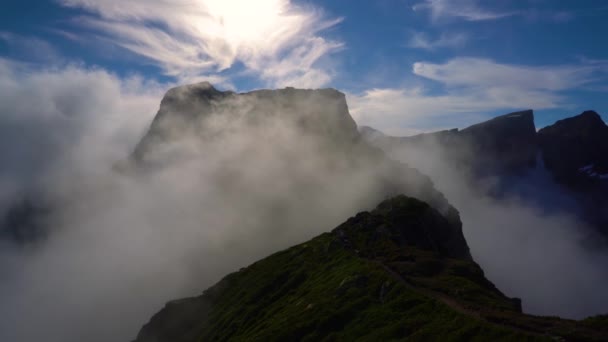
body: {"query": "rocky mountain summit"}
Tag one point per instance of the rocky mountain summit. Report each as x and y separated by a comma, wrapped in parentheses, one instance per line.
(507, 142)
(195, 109)
(399, 272)
(575, 149)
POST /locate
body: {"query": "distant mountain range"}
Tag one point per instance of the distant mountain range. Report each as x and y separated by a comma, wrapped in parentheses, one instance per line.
(574, 151)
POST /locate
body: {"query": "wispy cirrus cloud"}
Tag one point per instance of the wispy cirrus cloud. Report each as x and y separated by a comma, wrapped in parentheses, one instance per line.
(469, 10)
(273, 39)
(421, 40)
(470, 87)
(488, 73)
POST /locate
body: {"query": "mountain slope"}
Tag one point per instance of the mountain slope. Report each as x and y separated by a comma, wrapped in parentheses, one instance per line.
(397, 272)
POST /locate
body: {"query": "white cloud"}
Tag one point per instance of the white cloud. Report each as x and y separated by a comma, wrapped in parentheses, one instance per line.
(487, 73)
(48, 115)
(189, 38)
(469, 86)
(421, 40)
(468, 10)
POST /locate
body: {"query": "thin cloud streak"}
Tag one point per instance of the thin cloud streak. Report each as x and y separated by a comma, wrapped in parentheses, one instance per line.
(485, 72)
(421, 40)
(468, 10)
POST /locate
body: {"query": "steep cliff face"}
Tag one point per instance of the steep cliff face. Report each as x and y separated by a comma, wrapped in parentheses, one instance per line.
(397, 272)
(506, 143)
(576, 149)
(503, 145)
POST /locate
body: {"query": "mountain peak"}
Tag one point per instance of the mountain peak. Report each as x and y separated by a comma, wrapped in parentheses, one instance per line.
(574, 143)
(190, 111)
(590, 114)
(189, 92)
(586, 122)
(406, 222)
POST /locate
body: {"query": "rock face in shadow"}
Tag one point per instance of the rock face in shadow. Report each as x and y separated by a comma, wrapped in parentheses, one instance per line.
(507, 142)
(398, 272)
(504, 144)
(405, 222)
(576, 149)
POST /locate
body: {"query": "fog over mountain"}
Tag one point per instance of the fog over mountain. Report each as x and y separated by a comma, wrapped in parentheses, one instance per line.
(222, 188)
(128, 228)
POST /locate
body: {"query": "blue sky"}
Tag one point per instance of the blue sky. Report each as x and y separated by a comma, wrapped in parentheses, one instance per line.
(407, 66)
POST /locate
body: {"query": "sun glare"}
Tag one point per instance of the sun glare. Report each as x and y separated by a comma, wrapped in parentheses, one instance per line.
(248, 24)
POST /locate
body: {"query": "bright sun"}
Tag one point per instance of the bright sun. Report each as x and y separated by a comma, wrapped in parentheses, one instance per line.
(248, 26)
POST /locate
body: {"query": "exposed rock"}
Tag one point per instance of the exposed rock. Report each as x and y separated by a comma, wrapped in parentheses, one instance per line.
(406, 223)
(576, 149)
(507, 142)
(503, 145)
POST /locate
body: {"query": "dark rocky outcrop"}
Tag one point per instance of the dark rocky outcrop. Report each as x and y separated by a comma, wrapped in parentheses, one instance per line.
(507, 142)
(398, 272)
(576, 149)
(405, 222)
(503, 145)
